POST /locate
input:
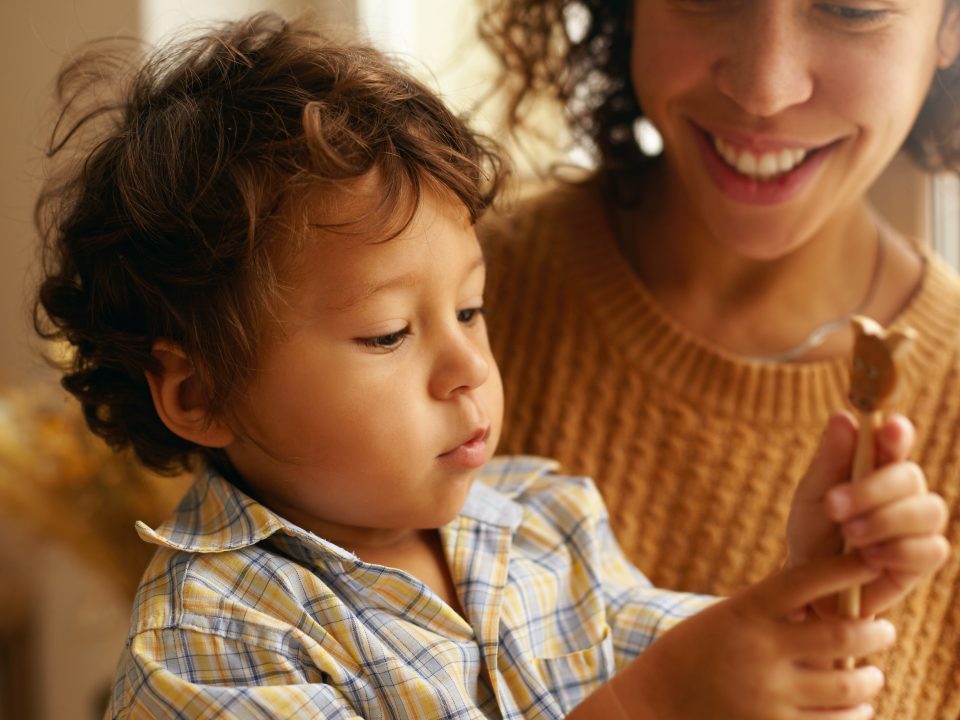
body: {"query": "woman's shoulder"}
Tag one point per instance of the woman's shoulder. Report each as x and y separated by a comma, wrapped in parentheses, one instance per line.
(939, 296)
(942, 275)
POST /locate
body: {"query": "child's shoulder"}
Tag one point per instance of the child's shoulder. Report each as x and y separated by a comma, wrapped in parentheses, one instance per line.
(222, 554)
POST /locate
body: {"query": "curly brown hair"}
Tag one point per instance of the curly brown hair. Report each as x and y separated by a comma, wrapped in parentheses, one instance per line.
(588, 72)
(170, 217)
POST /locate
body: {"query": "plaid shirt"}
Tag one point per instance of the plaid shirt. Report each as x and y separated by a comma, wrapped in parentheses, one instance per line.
(242, 614)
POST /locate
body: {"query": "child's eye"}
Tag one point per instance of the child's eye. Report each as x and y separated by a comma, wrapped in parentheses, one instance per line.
(468, 315)
(385, 342)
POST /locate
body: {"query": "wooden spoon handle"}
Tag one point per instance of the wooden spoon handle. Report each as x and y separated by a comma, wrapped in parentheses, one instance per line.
(864, 461)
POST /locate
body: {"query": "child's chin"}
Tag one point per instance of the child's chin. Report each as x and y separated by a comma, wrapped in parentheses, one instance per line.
(451, 509)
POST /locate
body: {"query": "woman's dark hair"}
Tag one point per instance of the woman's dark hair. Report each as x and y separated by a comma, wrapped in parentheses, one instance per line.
(577, 52)
(171, 214)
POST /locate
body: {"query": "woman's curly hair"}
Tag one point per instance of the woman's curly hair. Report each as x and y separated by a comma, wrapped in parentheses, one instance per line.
(577, 52)
(171, 214)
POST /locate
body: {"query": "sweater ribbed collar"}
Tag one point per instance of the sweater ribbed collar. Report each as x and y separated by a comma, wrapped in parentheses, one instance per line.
(706, 375)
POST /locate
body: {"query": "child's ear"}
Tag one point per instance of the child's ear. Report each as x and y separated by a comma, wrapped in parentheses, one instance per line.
(180, 401)
(948, 41)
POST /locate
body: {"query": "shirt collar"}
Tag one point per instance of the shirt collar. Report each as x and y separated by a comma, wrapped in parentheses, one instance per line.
(215, 516)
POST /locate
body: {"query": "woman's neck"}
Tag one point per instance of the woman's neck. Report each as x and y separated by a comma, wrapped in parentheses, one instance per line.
(762, 308)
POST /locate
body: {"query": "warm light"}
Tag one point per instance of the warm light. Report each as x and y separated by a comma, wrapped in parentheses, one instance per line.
(648, 137)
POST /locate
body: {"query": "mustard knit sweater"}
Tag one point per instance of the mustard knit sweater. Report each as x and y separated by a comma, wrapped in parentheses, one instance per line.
(695, 450)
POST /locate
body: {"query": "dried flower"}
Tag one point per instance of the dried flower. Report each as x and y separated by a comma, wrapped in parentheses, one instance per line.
(59, 478)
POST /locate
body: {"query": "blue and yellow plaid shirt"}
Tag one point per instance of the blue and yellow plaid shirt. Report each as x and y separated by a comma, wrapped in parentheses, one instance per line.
(242, 614)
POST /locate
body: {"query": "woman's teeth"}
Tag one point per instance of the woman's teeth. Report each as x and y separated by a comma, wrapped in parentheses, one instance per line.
(759, 167)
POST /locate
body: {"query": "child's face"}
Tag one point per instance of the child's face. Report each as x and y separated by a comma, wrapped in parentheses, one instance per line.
(375, 409)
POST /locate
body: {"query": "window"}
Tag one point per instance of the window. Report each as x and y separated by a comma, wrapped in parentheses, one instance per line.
(945, 221)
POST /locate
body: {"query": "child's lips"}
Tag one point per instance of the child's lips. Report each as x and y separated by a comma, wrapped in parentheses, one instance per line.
(472, 452)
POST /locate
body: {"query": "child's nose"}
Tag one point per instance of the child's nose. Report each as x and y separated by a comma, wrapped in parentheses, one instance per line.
(462, 365)
(766, 68)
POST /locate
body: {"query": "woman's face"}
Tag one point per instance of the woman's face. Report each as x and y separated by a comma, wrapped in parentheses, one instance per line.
(777, 115)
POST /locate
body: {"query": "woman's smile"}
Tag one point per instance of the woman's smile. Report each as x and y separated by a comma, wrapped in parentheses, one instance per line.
(764, 173)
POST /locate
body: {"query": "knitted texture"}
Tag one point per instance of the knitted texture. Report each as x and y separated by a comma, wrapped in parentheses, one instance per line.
(697, 451)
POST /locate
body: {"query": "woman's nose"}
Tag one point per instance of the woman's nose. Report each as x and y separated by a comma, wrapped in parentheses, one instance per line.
(766, 68)
(462, 364)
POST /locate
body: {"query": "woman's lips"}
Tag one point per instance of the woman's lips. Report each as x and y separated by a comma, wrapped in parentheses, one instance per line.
(752, 190)
(472, 453)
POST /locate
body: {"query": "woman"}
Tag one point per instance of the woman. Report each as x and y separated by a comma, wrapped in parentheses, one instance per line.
(678, 326)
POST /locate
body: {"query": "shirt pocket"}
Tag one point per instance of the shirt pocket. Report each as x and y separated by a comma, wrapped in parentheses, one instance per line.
(570, 678)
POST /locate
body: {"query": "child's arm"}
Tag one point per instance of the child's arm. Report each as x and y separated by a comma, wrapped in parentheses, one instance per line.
(890, 516)
(744, 658)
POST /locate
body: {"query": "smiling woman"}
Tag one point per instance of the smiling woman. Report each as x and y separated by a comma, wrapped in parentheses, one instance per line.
(676, 326)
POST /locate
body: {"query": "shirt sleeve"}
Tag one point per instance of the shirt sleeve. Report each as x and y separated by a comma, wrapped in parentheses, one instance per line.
(183, 673)
(638, 613)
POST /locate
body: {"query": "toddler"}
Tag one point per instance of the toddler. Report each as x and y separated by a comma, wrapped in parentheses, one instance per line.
(264, 258)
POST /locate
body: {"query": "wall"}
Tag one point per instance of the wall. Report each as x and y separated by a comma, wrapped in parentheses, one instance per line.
(70, 627)
(34, 37)
(902, 195)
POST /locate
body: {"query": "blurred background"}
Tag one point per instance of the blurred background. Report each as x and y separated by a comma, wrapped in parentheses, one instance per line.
(69, 557)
